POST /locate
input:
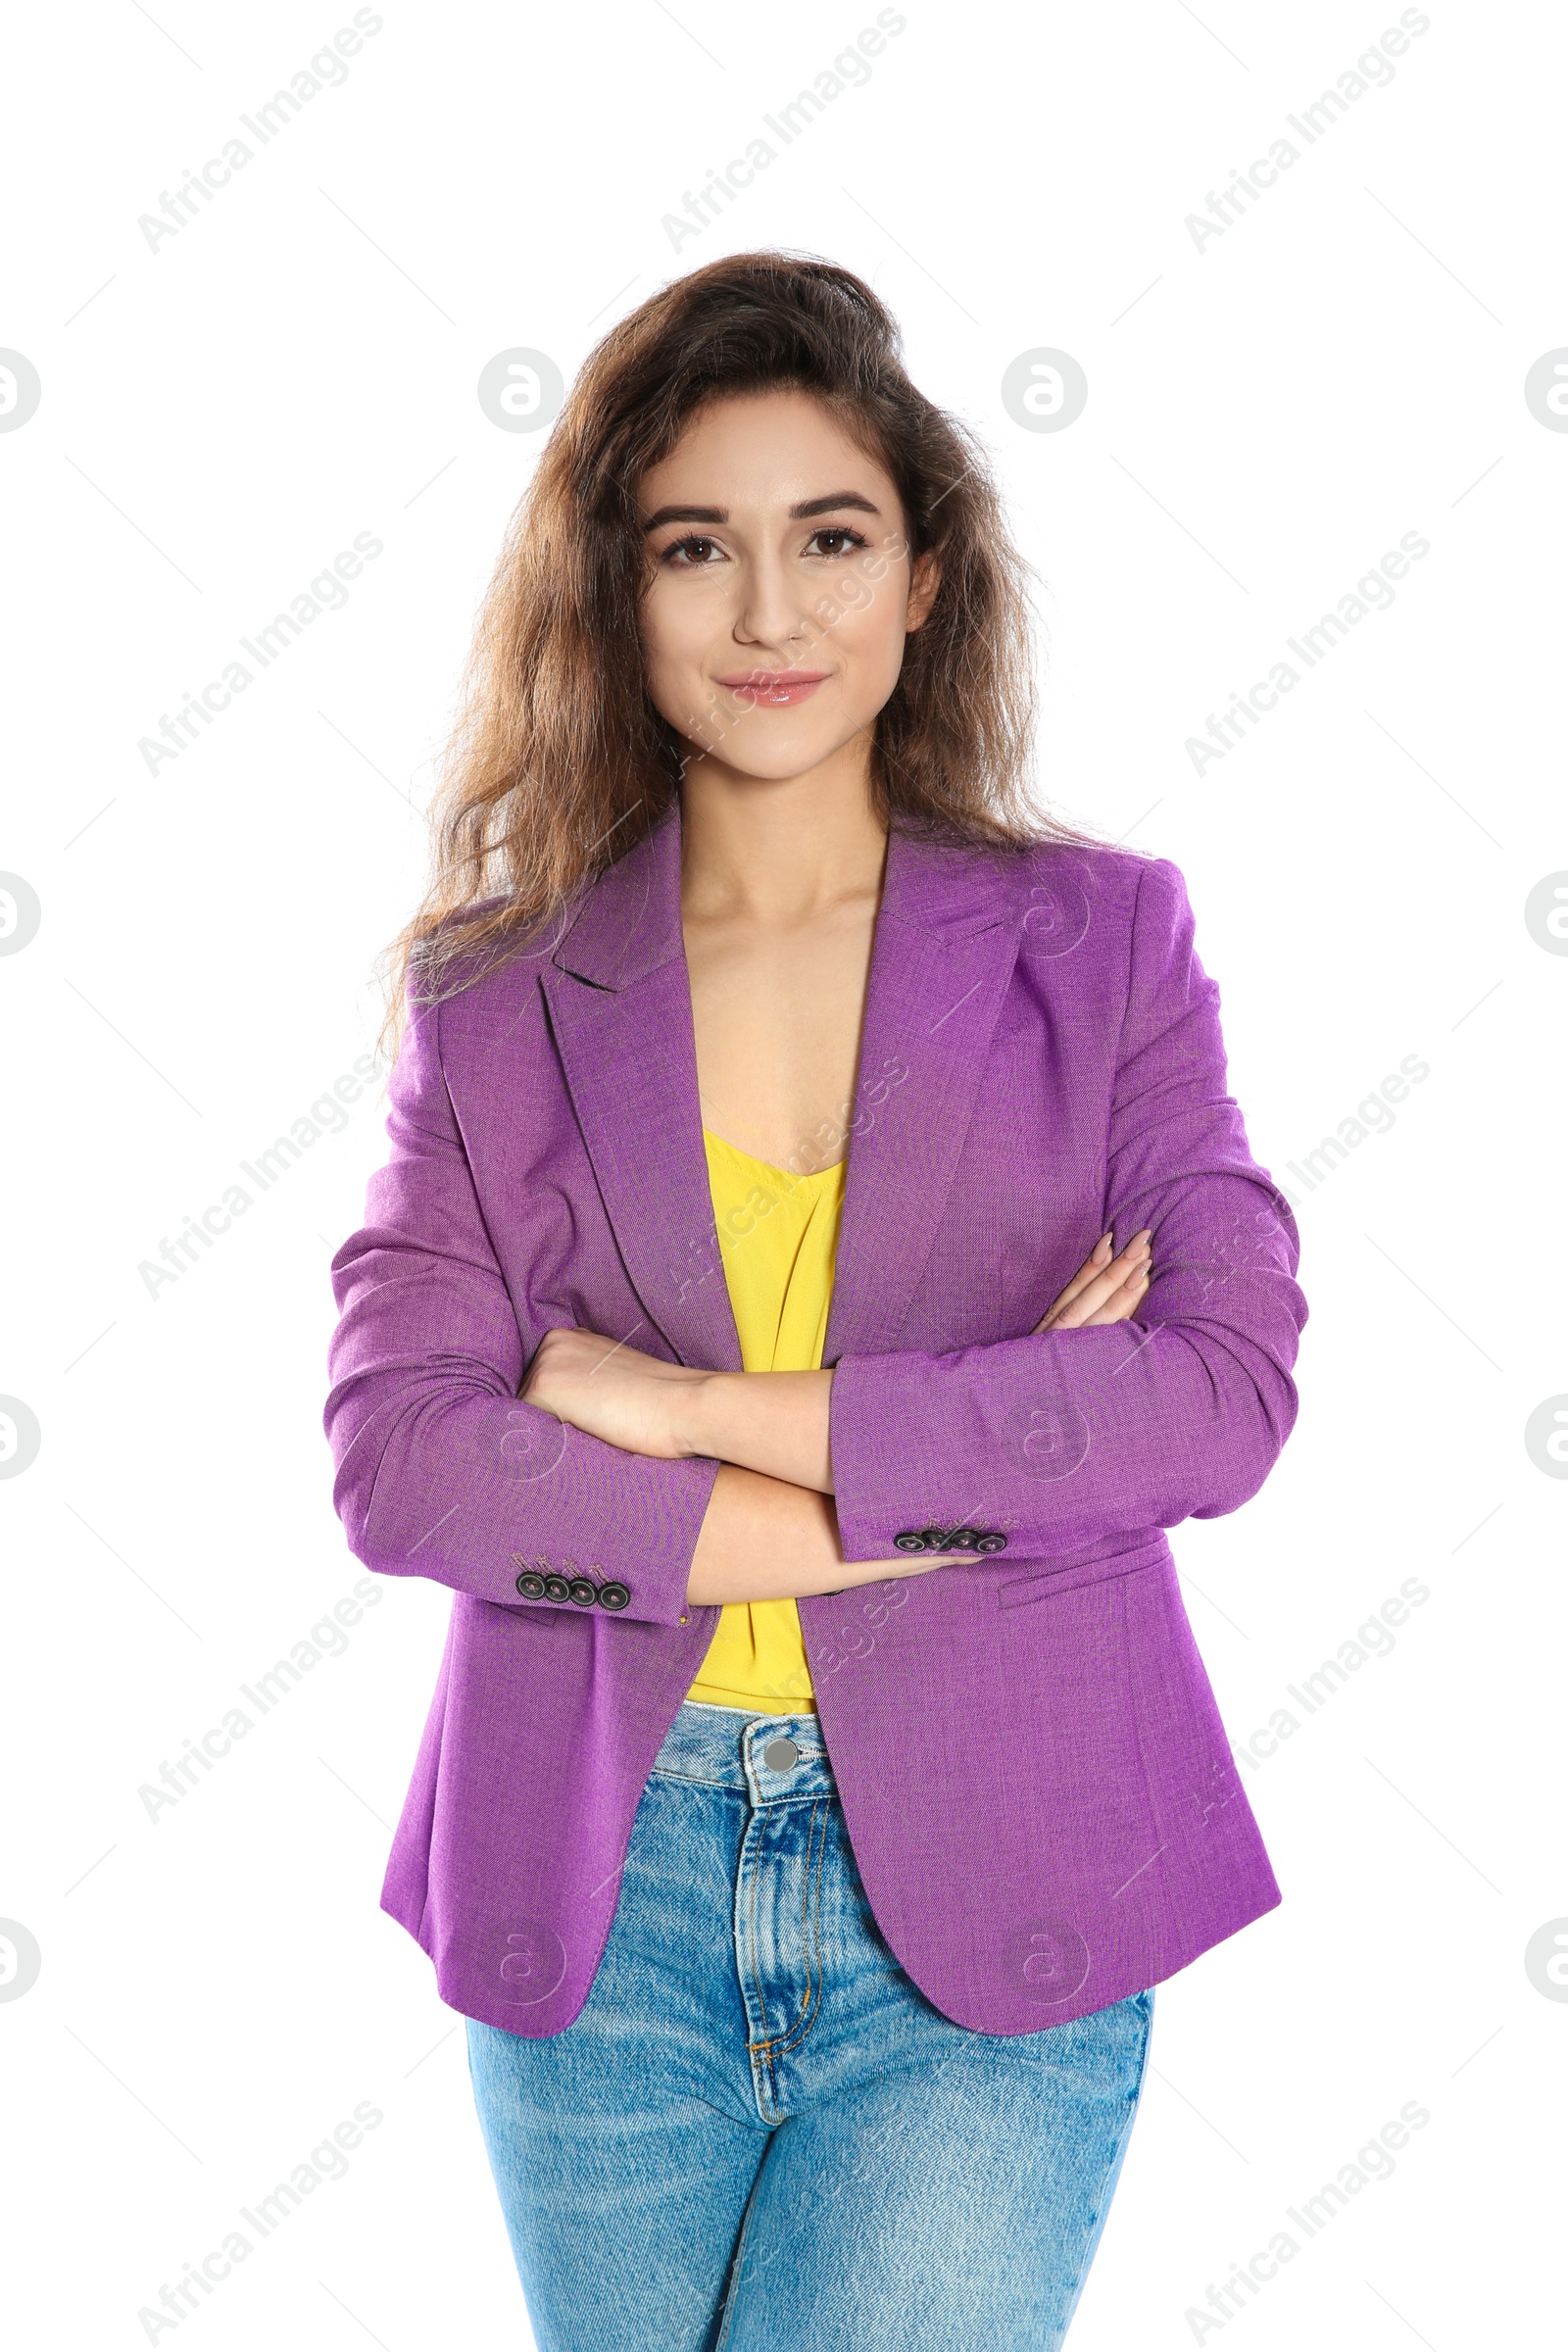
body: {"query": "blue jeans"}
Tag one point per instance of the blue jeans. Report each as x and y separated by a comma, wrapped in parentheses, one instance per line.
(759, 2133)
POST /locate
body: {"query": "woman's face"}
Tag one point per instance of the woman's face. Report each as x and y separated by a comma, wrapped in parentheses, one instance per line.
(779, 588)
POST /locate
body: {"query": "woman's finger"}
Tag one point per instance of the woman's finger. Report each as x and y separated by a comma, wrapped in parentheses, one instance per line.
(1096, 1262)
(1086, 1299)
(1124, 1301)
(1112, 1299)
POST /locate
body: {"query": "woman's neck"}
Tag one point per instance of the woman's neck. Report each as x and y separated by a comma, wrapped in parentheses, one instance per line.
(777, 850)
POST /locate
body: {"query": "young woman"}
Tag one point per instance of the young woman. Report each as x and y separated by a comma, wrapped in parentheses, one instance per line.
(818, 1260)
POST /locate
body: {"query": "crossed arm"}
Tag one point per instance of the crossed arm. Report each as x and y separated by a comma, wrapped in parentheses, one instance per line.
(770, 1532)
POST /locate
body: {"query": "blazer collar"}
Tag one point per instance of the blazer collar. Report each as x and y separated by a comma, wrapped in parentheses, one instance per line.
(629, 922)
(946, 932)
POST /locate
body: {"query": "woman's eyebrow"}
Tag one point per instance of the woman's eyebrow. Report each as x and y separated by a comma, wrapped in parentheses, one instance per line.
(798, 514)
(686, 515)
(827, 506)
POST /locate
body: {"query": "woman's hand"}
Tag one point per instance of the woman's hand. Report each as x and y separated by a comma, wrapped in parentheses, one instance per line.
(776, 1423)
(1105, 1289)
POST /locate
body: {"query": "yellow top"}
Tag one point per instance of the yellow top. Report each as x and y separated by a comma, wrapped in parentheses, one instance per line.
(778, 1237)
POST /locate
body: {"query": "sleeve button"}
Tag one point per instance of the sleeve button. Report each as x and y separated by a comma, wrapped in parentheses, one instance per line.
(531, 1584)
(558, 1587)
(613, 1595)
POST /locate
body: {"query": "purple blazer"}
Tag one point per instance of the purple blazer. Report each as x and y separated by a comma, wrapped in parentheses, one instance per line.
(1035, 1780)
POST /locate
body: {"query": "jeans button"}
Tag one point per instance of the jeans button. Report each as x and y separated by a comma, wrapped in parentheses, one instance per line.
(781, 1756)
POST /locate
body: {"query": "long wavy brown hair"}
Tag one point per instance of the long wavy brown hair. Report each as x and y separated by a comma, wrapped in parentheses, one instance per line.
(559, 761)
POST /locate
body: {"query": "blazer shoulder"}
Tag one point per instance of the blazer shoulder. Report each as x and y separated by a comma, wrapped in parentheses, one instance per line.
(479, 982)
(1149, 891)
(952, 883)
(1112, 871)
(1119, 890)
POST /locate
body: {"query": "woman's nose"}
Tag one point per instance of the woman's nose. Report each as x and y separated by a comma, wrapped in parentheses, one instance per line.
(773, 606)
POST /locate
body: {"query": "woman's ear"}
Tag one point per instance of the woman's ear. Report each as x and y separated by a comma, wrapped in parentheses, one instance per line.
(926, 578)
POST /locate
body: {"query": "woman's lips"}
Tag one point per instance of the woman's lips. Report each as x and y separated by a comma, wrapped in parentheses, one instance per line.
(774, 688)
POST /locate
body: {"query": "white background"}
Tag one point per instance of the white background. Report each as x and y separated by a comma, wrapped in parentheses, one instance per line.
(1266, 416)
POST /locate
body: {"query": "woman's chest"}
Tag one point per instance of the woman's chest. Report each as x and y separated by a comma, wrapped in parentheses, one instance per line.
(776, 1021)
(975, 1177)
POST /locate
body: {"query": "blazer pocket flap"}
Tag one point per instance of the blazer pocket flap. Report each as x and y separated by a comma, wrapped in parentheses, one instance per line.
(1021, 1589)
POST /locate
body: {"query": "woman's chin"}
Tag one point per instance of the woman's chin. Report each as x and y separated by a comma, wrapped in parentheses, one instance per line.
(794, 753)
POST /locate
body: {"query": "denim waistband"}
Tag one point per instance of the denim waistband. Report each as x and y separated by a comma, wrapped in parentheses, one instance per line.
(728, 1748)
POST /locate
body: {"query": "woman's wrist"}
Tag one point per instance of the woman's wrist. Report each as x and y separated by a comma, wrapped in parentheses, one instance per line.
(695, 1415)
(768, 1539)
(772, 1422)
(716, 1413)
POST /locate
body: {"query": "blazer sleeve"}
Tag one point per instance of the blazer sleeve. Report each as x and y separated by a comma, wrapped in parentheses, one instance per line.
(440, 1470)
(1065, 1439)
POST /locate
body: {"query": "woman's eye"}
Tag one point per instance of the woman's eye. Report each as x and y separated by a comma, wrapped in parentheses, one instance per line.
(695, 553)
(694, 549)
(840, 531)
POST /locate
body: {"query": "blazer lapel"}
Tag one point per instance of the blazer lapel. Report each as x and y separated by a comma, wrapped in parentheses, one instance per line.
(622, 1012)
(620, 999)
(945, 945)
